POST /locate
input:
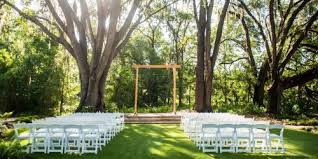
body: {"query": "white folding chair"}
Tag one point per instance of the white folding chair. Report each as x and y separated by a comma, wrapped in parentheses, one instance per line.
(209, 138)
(243, 138)
(39, 138)
(90, 140)
(55, 138)
(276, 142)
(227, 137)
(105, 135)
(73, 138)
(260, 137)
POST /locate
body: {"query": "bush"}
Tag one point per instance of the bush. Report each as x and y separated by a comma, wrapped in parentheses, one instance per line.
(6, 115)
(304, 121)
(12, 150)
(26, 119)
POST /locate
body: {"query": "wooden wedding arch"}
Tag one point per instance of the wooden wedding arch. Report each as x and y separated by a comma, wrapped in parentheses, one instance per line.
(174, 68)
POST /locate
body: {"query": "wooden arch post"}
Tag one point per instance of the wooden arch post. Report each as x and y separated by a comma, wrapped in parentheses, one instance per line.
(136, 90)
(174, 68)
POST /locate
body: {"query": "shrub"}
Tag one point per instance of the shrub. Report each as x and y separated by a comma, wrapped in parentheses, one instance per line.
(6, 115)
(26, 119)
(12, 150)
(303, 121)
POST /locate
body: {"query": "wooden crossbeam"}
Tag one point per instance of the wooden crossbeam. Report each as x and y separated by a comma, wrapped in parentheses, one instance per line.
(157, 66)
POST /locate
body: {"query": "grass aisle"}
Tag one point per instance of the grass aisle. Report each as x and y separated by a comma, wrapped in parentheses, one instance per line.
(146, 141)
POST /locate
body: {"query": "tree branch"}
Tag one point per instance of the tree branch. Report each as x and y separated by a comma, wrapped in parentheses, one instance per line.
(300, 79)
(260, 29)
(289, 24)
(231, 62)
(123, 30)
(195, 10)
(34, 20)
(248, 47)
(273, 30)
(298, 41)
(157, 11)
(55, 15)
(219, 34)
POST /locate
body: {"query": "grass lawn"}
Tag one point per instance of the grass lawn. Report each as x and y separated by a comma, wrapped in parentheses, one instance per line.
(146, 141)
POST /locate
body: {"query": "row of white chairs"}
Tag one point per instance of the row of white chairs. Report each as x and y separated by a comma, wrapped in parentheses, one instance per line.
(224, 132)
(76, 133)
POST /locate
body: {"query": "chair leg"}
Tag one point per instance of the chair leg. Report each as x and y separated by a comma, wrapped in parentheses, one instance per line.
(249, 145)
(48, 146)
(254, 145)
(283, 146)
(221, 146)
(270, 145)
(62, 146)
(96, 144)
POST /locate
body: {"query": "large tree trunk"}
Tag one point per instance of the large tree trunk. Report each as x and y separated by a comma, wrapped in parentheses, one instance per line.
(92, 91)
(199, 81)
(93, 99)
(201, 20)
(258, 97)
(275, 93)
(206, 61)
(208, 92)
(278, 86)
(92, 95)
(215, 54)
(260, 76)
(259, 90)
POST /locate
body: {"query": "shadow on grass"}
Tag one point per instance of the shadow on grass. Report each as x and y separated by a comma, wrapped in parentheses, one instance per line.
(168, 141)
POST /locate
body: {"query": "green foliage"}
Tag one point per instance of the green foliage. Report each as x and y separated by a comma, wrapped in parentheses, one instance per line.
(6, 115)
(302, 121)
(313, 129)
(12, 150)
(30, 78)
(300, 101)
(9, 134)
(154, 85)
(26, 119)
(6, 126)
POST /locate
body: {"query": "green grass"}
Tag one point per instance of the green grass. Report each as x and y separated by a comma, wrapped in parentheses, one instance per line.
(149, 141)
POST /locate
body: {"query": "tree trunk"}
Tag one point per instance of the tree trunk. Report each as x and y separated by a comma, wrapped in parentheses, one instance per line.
(259, 90)
(206, 62)
(199, 89)
(208, 92)
(275, 93)
(199, 81)
(215, 54)
(92, 98)
(92, 91)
